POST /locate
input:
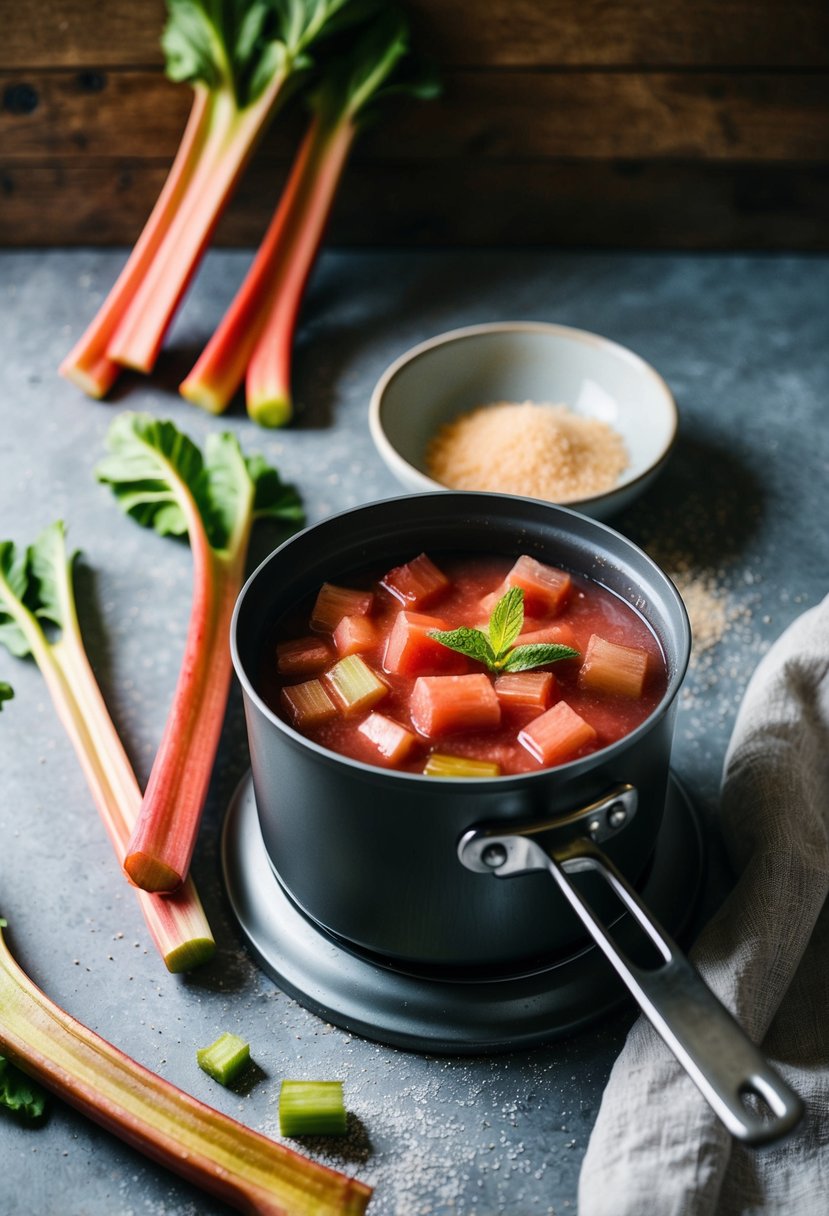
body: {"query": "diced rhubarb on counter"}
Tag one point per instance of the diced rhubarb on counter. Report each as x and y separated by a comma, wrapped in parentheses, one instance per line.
(355, 686)
(355, 635)
(333, 603)
(307, 705)
(548, 635)
(442, 704)
(441, 765)
(303, 656)
(557, 735)
(610, 668)
(416, 584)
(545, 588)
(525, 689)
(411, 652)
(393, 742)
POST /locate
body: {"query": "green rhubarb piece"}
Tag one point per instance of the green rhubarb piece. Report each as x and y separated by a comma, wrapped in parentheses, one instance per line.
(441, 765)
(312, 1108)
(225, 1059)
(355, 685)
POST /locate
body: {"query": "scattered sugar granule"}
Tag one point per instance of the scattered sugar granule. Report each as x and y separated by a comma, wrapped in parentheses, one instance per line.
(535, 449)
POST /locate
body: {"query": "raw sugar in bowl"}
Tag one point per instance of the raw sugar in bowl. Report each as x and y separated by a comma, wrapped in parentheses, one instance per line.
(613, 425)
(441, 878)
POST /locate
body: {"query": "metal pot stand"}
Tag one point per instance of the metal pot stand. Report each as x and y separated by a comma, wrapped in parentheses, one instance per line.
(445, 1013)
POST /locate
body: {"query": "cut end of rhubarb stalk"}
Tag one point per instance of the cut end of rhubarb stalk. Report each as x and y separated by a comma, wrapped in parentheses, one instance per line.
(204, 397)
(150, 874)
(271, 411)
(189, 955)
(96, 382)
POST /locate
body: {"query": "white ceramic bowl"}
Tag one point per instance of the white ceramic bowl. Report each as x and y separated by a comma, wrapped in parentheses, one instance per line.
(524, 361)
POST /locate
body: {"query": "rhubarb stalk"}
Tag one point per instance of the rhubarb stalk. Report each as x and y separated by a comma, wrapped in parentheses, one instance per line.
(161, 479)
(88, 364)
(255, 338)
(224, 1157)
(36, 586)
(243, 58)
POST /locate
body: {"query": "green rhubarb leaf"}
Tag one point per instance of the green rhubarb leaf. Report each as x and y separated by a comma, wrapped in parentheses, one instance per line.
(241, 45)
(539, 654)
(470, 642)
(155, 472)
(50, 567)
(14, 584)
(237, 486)
(6, 692)
(506, 622)
(160, 479)
(19, 1094)
(377, 64)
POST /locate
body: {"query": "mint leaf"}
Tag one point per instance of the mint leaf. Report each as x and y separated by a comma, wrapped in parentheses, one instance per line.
(20, 1094)
(495, 647)
(470, 642)
(6, 692)
(506, 622)
(524, 658)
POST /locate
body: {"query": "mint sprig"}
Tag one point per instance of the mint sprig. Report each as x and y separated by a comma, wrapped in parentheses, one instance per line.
(496, 648)
(6, 692)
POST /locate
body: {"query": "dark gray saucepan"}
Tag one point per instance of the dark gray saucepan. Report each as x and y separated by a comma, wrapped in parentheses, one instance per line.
(401, 865)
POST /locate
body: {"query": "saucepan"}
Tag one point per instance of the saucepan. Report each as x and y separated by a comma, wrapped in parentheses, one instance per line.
(493, 876)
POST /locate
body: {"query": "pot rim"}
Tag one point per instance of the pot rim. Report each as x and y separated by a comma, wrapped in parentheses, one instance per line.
(572, 768)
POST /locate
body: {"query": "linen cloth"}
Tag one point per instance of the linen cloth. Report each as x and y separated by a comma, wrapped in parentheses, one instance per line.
(657, 1149)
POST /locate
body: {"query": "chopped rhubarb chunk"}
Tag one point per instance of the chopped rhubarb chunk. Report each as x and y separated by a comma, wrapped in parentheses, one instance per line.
(393, 741)
(354, 685)
(307, 704)
(487, 604)
(548, 635)
(525, 689)
(440, 765)
(333, 603)
(302, 656)
(416, 584)
(354, 634)
(545, 588)
(443, 704)
(611, 668)
(411, 652)
(557, 735)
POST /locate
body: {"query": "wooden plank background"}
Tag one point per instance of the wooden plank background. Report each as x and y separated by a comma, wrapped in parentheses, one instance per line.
(662, 123)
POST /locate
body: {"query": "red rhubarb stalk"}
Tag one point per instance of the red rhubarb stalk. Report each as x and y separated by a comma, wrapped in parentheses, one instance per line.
(43, 576)
(224, 1157)
(88, 365)
(255, 338)
(242, 60)
(268, 379)
(140, 332)
(276, 280)
(160, 478)
(250, 55)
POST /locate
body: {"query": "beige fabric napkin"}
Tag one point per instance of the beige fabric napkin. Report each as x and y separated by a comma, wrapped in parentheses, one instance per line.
(657, 1148)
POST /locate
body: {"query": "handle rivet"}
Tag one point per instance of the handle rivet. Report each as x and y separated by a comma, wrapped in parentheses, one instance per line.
(594, 827)
(494, 855)
(617, 816)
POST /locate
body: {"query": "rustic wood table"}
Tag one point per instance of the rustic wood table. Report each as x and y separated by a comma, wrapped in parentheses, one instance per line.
(739, 516)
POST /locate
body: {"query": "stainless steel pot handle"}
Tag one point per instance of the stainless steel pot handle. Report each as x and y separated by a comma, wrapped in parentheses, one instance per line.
(709, 1044)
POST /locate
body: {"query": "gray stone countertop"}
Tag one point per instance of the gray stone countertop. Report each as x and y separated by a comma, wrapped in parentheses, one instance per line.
(739, 516)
